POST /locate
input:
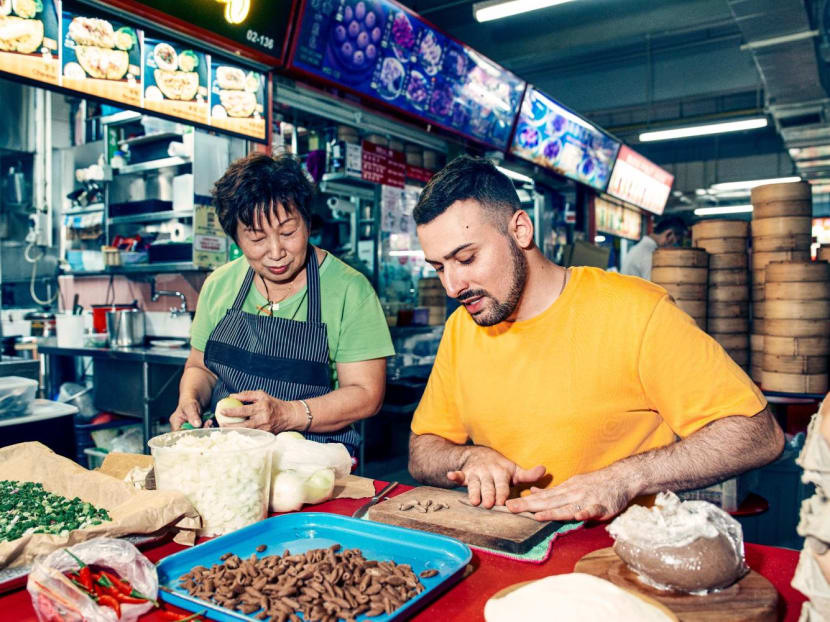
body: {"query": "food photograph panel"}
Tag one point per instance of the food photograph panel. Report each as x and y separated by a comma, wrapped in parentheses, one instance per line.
(29, 37)
(176, 80)
(237, 99)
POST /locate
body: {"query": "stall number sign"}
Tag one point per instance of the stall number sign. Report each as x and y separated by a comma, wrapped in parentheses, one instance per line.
(260, 24)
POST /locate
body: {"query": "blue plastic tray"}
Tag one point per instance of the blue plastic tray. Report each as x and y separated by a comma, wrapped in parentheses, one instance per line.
(302, 531)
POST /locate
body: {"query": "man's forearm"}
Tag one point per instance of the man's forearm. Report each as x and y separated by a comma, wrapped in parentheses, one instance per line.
(431, 457)
(721, 450)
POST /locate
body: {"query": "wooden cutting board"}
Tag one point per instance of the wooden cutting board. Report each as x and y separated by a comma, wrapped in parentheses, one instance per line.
(752, 599)
(473, 525)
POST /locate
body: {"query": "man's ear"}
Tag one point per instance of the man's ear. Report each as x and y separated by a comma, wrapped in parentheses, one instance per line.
(521, 228)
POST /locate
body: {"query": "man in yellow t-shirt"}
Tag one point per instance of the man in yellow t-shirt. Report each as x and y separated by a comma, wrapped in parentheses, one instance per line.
(591, 386)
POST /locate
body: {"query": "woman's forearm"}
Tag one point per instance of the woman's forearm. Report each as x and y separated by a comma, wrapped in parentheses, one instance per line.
(336, 410)
(196, 384)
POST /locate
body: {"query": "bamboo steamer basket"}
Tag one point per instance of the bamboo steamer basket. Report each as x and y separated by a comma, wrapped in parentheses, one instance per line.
(796, 309)
(773, 243)
(722, 245)
(776, 209)
(782, 226)
(728, 324)
(762, 260)
(797, 191)
(797, 271)
(794, 383)
(759, 310)
(758, 292)
(728, 277)
(729, 293)
(728, 309)
(685, 291)
(720, 228)
(797, 290)
(731, 341)
(823, 253)
(795, 364)
(695, 308)
(756, 342)
(758, 326)
(729, 261)
(758, 278)
(756, 373)
(674, 274)
(740, 356)
(796, 346)
(796, 328)
(680, 257)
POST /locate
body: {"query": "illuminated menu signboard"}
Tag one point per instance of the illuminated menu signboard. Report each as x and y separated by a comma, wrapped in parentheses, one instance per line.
(554, 137)
(380, 49)
(618, 220)
(640, 182)
(258, 24)
(76, 48)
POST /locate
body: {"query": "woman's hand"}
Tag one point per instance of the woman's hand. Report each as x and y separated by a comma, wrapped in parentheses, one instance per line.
(187, 411)
(263, 412)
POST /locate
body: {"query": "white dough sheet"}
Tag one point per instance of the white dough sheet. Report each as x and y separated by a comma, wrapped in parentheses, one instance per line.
(691, 546)
(815, 517)
(809, 613)
(815, 456)
(574, 597)
(808, 578)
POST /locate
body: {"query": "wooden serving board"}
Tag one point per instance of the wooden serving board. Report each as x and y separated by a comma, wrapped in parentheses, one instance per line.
(473, 525)
(752, 599)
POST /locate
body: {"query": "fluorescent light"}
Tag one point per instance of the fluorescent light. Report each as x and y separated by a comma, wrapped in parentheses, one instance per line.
(406, 254)
(599, 239)
(514, 175)
(724, 209)
(488, 11)
(752, 183)
(704, 130)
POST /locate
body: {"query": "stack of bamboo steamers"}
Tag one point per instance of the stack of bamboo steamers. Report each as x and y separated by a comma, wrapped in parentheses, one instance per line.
(683, 272)
(791, 297)
(728, 292)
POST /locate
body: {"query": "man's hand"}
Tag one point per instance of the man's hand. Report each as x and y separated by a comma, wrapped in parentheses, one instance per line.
(263, 412)
(488, 476)
(187, 411)
(599, 495)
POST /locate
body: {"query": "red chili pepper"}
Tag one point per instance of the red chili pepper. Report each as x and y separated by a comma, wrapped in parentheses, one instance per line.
(127, 591)
(109, 601)
(84, 573)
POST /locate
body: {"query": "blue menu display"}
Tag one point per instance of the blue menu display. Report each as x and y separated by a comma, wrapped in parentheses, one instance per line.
(380, 49)
(554, 137)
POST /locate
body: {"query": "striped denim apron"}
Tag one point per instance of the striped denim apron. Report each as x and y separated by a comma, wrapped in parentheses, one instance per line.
(287, 359)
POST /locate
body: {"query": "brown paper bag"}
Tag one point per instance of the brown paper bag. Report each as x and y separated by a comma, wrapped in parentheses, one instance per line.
(133, 511)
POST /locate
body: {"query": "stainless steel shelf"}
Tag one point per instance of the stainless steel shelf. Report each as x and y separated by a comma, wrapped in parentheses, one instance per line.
(90, 209)
(121, 117)
(152, 165)
(142, 268)
(149, 138)
(151, 217)
(346, 185)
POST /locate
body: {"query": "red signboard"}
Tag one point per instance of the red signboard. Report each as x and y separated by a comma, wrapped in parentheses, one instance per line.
(418, 173)
(395, 169)
(374, 163)
(640, 182)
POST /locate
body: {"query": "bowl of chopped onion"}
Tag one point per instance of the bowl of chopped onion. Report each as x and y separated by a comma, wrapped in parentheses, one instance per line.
(226, 473)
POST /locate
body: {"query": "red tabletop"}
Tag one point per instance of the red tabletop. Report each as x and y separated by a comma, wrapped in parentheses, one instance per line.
(491, 573)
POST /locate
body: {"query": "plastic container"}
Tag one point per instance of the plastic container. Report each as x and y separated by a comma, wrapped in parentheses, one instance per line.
(225, 473)
(16, 395)
(70, 329)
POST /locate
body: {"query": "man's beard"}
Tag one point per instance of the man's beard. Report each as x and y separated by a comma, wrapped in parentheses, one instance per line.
(503, 309)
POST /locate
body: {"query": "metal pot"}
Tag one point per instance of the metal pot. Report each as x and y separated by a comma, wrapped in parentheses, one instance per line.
(43, 323)
(125, 328)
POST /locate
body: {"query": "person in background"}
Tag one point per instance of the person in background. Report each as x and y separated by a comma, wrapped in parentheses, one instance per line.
(669, 231)
(287, 328)
(591, 389)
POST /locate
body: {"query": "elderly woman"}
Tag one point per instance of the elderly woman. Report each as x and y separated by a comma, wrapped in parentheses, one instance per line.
(289, 330)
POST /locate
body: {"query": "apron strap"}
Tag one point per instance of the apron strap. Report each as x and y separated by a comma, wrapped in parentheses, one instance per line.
(315, 313)
(243, 291)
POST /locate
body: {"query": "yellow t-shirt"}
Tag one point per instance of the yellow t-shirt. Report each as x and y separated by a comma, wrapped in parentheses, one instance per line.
(611, 369)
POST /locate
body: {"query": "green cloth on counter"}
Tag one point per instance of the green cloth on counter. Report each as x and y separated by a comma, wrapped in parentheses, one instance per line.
(356, 325)
(539, 553)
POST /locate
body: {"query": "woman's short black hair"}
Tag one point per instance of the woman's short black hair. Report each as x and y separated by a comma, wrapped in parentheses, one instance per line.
(254, 185)
(467, 177)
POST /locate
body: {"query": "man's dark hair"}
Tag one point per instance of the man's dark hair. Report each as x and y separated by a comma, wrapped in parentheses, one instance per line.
(675, 223)
(464, 178)
(254, 185)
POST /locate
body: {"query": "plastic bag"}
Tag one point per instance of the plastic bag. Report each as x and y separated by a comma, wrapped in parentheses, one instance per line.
(56, 599)
(292, 452)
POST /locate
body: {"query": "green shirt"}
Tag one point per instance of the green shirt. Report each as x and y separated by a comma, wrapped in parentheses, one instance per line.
(356, 325)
